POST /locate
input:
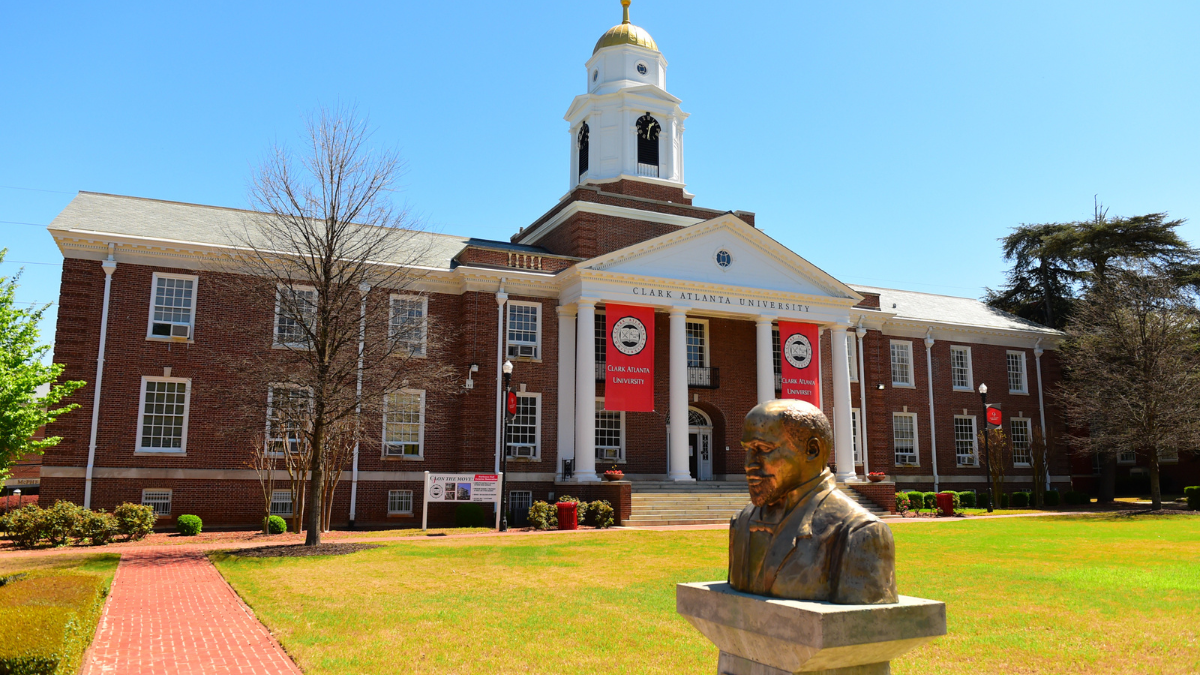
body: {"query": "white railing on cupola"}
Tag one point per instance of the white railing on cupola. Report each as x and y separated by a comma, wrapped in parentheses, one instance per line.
(649, 170)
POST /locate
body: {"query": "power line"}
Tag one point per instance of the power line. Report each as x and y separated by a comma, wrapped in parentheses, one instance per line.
(31, 262)
(17, 222)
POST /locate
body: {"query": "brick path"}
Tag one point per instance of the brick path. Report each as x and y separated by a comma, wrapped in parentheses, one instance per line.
(171, 612)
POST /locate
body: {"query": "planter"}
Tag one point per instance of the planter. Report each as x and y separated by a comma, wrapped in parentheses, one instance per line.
(875, 479)
(611, 477)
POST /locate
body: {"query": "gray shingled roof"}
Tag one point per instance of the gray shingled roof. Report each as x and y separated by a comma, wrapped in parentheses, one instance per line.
(193, 223)
(949, 309)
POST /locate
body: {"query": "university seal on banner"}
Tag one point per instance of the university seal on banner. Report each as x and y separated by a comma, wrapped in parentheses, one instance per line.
(798, 351)
(629, 336)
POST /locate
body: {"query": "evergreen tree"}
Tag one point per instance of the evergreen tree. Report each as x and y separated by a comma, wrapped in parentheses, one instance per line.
(22, 372)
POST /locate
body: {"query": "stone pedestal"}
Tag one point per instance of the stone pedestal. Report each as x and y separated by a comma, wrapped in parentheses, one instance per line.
(767, 636)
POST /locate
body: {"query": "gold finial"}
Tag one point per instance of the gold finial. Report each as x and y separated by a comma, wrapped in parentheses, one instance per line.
(625, 9)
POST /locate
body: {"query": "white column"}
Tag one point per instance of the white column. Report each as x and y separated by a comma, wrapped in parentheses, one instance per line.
(766, 363)
(677, 467)
(585, 393)
(843, 443)
(862, 397)
(566, 385)
(932, 424)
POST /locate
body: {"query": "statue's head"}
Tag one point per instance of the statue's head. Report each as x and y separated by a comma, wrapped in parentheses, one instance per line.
(787, 443)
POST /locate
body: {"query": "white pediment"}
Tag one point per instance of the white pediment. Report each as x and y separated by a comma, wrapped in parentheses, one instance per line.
(755, 261)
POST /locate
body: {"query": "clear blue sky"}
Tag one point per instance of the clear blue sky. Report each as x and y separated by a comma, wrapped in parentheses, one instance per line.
(888, 143)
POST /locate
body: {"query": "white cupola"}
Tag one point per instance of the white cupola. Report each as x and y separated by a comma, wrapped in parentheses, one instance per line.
(626, 126)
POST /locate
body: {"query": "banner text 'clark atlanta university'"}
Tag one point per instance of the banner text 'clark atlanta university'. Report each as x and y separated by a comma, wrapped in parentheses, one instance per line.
(800, 360)
(629, 361)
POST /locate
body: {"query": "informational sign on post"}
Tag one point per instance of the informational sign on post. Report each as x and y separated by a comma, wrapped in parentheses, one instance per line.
(458, 488)
(994, 416)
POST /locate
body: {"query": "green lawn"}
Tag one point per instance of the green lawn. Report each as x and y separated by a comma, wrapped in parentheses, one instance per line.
(1079, 594)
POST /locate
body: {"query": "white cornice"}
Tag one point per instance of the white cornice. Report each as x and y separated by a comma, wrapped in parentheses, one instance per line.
(609, 210)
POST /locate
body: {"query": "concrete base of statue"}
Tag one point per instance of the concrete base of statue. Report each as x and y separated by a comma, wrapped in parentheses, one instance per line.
(758, 635)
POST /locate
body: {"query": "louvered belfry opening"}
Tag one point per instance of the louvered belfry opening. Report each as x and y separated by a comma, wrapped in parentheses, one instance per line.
(647, 145)
(583, 148)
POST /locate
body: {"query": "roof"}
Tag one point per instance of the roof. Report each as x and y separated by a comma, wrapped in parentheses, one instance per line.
(949, 309)
(197, 224)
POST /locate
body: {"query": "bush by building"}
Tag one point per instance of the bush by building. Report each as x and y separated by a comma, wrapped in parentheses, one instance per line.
(1020, 500)
(1193, 497)
(543, 516)
(967, 499)
(276, 525)
(1051, 498)
(982, 500)
(189, 525)
(135, 521)
(469, 515)
(55, 615)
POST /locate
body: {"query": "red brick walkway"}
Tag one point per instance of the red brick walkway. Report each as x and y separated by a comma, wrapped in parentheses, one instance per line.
(171, 612)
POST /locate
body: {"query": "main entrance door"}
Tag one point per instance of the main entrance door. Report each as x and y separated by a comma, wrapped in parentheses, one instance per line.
(699, 444)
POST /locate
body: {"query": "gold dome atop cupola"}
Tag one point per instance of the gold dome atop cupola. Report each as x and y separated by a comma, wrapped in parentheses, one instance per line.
(625, 34)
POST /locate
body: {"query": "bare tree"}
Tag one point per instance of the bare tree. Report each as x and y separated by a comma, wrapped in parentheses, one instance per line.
(1039, 459)
(1134, 363)
(322, 255)
(264, 462)
(342, 436)
(998, 455)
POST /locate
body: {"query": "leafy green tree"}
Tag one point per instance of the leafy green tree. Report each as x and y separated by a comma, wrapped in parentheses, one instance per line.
(1044, 273)
(22, 372)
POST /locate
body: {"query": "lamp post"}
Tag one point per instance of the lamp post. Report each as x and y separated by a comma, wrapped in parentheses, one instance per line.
(986, 447)
(508, 368)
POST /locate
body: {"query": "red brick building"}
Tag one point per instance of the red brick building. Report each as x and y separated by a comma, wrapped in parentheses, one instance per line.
(142, 321)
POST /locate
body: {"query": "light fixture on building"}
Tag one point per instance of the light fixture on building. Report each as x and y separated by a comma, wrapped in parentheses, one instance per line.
(880, 387)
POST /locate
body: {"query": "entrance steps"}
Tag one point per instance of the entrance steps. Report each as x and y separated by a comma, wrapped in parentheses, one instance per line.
(657, 503)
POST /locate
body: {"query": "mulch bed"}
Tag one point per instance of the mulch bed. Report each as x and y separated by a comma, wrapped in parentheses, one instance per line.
(300, 550)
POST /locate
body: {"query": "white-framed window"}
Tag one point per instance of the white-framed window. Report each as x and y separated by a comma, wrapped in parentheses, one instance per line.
(610, 434)
(1017, 382)
(281, 503)
(1019, 428)
(295, 315)
(404, 424)
(852, 354)
(854, 436)
(601, 344)
(904, 438)
(964, 440)
(524, 438)
(902, 363)
(776, 358)
(1123, 457)
(524, 330)
(408, 324)
(519, 501)
(172, 306)
(960, 368)
(696, 334)
(160, 500)
(400, 502)
(163, 418)
(288, 408)
(1168, 455)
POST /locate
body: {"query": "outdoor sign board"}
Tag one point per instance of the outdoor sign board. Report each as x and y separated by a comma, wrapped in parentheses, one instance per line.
(994, 416)
(459, 488)
(800, 361)
(629, 358)
(512, 403)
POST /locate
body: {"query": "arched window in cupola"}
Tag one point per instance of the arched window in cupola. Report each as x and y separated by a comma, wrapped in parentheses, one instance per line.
(647, 146)
(583, 148)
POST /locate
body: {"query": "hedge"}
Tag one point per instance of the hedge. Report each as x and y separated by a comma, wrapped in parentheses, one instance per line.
(1020, 500)
(276, 525)
(1193, 497)
(1051, 498)
(469, 515)
(916, 500)
(1075, 498)
(982, 500)
(901, 502)
(967, 499)
(54, 614)
(58, 525)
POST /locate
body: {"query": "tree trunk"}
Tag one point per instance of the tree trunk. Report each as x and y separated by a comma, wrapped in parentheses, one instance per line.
(1108, 478)
(1155, 486)
(315, 483)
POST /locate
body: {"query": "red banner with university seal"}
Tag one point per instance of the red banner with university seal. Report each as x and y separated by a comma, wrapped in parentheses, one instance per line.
(629, 358)
(800, 361)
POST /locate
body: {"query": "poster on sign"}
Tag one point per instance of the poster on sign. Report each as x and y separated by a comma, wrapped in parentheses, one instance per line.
(800, 361)
(629, 358)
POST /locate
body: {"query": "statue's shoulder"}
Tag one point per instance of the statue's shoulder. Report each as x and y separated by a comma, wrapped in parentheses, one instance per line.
(838, 507)
(742, 517)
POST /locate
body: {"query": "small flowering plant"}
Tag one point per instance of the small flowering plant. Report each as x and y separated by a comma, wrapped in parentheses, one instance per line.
(877, 473)
(614, 474)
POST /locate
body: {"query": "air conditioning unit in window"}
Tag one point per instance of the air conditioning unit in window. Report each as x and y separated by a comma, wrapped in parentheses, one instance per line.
(520, 451)
(181, 331)
(608, 453)
(522, 351)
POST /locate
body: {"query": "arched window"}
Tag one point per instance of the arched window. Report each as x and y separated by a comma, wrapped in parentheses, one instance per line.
(647, 145)
(583, 148)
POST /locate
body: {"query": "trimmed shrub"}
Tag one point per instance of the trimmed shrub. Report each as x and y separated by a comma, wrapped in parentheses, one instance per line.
(1020, 500)
(982, 499)
(1004, 500)
(930, 499)
(916, 500)
(60, 522)
(469, 515)
(602, 514)
(25, 525)
(97, 527)
(135, 521)
(967, 499)
(189, 525)
(53, 613)
(543, 516)
(1051, 498)
(276, 525)
(901, 502)
(1076, 498)
(1193, 497)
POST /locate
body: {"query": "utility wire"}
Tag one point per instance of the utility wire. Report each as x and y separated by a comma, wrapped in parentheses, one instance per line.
(31, 262)
(17, 222)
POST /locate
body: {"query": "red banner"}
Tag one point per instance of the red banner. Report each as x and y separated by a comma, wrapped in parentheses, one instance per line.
(800, 360)
(629, 358)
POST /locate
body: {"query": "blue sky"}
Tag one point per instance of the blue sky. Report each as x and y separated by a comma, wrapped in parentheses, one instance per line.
(889, 143)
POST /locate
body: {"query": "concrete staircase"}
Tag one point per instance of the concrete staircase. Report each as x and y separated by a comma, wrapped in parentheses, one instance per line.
(700, 503)
(657, 503)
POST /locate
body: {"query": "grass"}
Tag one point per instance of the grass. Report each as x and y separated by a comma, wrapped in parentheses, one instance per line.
(1078, 594)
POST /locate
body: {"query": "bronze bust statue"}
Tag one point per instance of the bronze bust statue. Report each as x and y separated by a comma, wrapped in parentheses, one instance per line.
(800, 538)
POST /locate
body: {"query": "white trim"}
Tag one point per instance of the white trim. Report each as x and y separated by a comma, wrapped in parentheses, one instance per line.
(851, 353)
(390, 512)
(707, 340)
(912, 379)
(191, 310)
(508, 343)
(1028, 440)
(275, 343)
(424, 300)
(187, 404)
(970, 386)
(610, 210)
(170, 505)
(855, 437)
(1024, 372)
(420, 427)
(916, 438)
(974, 442)
(600, 409)
(537, 428)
